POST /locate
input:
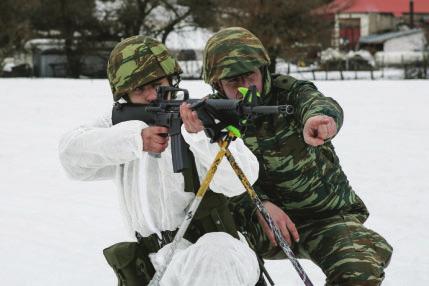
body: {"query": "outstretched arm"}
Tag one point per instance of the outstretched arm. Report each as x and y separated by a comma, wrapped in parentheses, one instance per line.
(321, 117)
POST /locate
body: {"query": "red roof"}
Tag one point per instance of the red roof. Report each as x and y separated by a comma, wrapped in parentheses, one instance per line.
(396, 7)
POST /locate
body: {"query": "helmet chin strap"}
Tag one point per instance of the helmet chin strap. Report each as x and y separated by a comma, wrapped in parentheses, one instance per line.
(266, 80)
(125, 98)
(175, 78)
(217, 87)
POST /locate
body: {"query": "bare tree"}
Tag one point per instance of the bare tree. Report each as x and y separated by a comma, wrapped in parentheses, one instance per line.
(176, 19)
(16, 26)
(133, 14)
(71, 21)
(82, 25)
(157, 18)
(284, 26)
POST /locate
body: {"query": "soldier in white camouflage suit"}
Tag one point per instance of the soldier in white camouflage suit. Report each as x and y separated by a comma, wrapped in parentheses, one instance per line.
(154, 198)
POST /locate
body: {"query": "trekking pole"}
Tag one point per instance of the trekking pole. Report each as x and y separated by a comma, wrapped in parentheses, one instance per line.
(193, 208)
(279, 238)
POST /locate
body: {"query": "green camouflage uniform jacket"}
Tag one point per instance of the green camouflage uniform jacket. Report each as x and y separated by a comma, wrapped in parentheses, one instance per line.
(305, 181)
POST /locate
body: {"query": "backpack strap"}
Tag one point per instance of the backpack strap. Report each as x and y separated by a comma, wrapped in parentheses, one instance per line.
(190, 175)
(213, 213)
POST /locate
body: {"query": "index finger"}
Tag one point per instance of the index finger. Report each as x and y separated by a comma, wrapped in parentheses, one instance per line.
(184, 111)
(328, 119)
(266, 229)
(159, 129)
(324, 120)
(285, 233)
(292, 229)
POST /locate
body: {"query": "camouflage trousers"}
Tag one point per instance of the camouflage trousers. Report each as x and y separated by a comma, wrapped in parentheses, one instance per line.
(346, 251)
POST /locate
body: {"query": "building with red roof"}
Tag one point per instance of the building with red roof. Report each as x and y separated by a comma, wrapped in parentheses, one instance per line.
(356, 18)
(396, 7)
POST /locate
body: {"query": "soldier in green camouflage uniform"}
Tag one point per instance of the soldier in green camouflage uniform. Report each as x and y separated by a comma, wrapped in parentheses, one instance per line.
(300, 180)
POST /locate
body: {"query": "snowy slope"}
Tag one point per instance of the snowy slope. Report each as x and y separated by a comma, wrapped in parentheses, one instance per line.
(52, 229)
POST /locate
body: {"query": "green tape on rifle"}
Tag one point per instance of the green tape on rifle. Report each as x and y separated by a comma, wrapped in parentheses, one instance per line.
(244, 90)
(234, 131)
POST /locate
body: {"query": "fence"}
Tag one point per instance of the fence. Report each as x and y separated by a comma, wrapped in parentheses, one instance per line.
(192, 70)
(406, 72)
(387, 66)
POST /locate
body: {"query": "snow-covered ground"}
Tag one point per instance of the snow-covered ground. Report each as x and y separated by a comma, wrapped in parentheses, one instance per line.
(53, 230)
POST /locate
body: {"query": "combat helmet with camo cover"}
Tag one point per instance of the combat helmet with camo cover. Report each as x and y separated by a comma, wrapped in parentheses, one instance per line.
(136, 61)
(231, 52)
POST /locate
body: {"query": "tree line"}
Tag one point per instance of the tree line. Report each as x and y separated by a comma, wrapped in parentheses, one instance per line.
(286, 27)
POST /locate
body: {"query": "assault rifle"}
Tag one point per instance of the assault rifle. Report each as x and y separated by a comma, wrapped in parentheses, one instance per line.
(216, 115)
(161, 112)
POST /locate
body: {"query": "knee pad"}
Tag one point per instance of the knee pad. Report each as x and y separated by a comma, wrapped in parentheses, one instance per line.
(215, 259)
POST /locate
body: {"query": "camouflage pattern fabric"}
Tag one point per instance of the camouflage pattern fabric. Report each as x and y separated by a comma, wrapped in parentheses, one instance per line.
(346, 251)
(231, 52)
(137, 61)
(308, 181)
(309, 185)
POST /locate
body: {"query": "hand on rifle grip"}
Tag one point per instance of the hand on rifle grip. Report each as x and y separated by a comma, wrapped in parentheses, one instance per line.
(190, 119)
(155, 139)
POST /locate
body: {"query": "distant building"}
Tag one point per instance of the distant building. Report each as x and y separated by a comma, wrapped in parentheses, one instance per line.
(360, 18)
(402, 41)
(48, 59)
(188, 38)
(187, 45)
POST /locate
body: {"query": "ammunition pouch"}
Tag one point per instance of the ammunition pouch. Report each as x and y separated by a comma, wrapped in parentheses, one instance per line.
(130, 262)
